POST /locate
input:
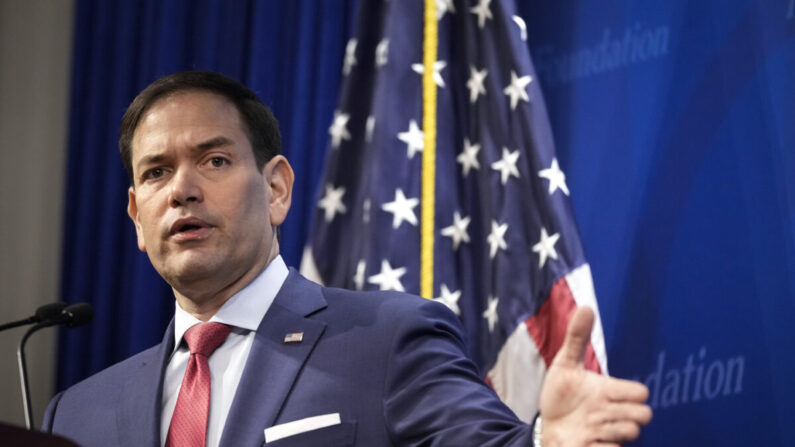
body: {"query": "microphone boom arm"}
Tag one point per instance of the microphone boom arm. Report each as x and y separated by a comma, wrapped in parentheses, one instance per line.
(69, 316)
(23, 374)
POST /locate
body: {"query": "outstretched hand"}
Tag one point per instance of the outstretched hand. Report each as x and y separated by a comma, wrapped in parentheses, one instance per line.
(580, 407)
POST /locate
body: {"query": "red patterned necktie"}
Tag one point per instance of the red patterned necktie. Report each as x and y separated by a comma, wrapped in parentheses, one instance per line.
(189, 423)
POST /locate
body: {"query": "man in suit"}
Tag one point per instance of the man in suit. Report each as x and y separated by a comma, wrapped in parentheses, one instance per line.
(257, 354)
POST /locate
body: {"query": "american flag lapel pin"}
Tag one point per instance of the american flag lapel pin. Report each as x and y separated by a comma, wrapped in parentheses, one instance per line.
(294, 337)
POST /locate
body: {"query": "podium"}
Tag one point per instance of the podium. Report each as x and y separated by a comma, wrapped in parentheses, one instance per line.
(13, 436)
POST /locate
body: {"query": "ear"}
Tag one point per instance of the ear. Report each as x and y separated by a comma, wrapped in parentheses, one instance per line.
(132, 211)
(279, 175)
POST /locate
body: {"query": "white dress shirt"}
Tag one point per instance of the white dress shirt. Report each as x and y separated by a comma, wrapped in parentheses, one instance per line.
(244, 312)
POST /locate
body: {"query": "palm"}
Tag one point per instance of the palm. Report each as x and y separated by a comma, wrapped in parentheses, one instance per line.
(580, 407)
(565, 390)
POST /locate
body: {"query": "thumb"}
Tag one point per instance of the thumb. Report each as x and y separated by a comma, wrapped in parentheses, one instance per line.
(578, 335)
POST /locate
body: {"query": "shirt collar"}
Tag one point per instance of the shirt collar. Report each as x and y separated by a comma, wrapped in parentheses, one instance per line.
(246, 308)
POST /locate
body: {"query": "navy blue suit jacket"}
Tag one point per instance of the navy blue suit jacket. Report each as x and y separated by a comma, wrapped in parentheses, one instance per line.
(392, 365)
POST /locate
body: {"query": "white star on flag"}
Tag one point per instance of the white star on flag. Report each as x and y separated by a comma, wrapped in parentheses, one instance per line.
(469, 157)
(339, 129)
(546, 247)
(331, 203)
(358, 278)
(496, 238)
(458, 230)
(516, 89)
(414, 139)
(475, 83)
(490, 314)
(350, 57)
(438, 66)
(443, 6)
(522, 27)
(482, 11)
(388, 278)
(507, 165)
(381, 53)
(402, 209)
(450, 299)
(556, 177)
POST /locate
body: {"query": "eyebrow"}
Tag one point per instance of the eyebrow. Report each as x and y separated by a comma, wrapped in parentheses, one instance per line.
(212, 143)
(150, 159)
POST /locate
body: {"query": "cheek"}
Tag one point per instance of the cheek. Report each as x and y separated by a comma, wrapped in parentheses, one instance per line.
(254, 203)
(148, 220)
(249, 218)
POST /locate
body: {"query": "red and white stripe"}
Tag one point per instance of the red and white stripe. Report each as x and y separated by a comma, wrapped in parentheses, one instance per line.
(519, 372)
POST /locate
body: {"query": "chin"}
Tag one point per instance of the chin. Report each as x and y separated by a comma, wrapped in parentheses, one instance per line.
(189, 271)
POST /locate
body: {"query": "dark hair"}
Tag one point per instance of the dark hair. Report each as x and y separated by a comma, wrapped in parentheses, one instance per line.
(261, 126)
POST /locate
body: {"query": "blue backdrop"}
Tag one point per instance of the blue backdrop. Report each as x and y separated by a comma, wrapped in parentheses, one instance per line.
(673, 123)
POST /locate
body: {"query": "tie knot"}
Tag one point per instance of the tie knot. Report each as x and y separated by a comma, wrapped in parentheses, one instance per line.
(204, 338)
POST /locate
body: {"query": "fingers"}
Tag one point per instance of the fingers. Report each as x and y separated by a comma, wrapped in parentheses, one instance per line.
(635, 413)
(620, 422)
(620, 413)
(621, 431)
(618, 390)
(578, 334)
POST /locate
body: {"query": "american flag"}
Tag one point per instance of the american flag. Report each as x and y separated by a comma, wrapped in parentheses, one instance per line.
(507, 257)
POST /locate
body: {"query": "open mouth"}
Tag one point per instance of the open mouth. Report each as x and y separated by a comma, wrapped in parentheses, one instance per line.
(189, 228)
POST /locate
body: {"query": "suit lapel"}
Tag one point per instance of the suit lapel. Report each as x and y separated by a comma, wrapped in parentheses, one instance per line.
(138, 416)
(272, 364)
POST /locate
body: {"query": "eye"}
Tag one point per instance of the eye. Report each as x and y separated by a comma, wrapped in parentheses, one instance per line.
(218, 162)
(153, 173)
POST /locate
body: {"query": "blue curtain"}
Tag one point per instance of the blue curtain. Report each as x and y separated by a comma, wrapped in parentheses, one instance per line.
(289, 52)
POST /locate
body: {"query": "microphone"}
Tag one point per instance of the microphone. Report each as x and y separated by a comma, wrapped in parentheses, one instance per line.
(43, 313)
(69, 316)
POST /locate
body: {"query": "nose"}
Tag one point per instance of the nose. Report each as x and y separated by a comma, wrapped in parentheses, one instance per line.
(185, 188)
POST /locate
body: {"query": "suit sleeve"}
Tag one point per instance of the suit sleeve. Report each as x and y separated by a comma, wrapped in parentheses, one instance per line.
(434, 395)
(49, 415)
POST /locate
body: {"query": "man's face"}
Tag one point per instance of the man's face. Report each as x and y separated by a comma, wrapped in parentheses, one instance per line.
(203, 212)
